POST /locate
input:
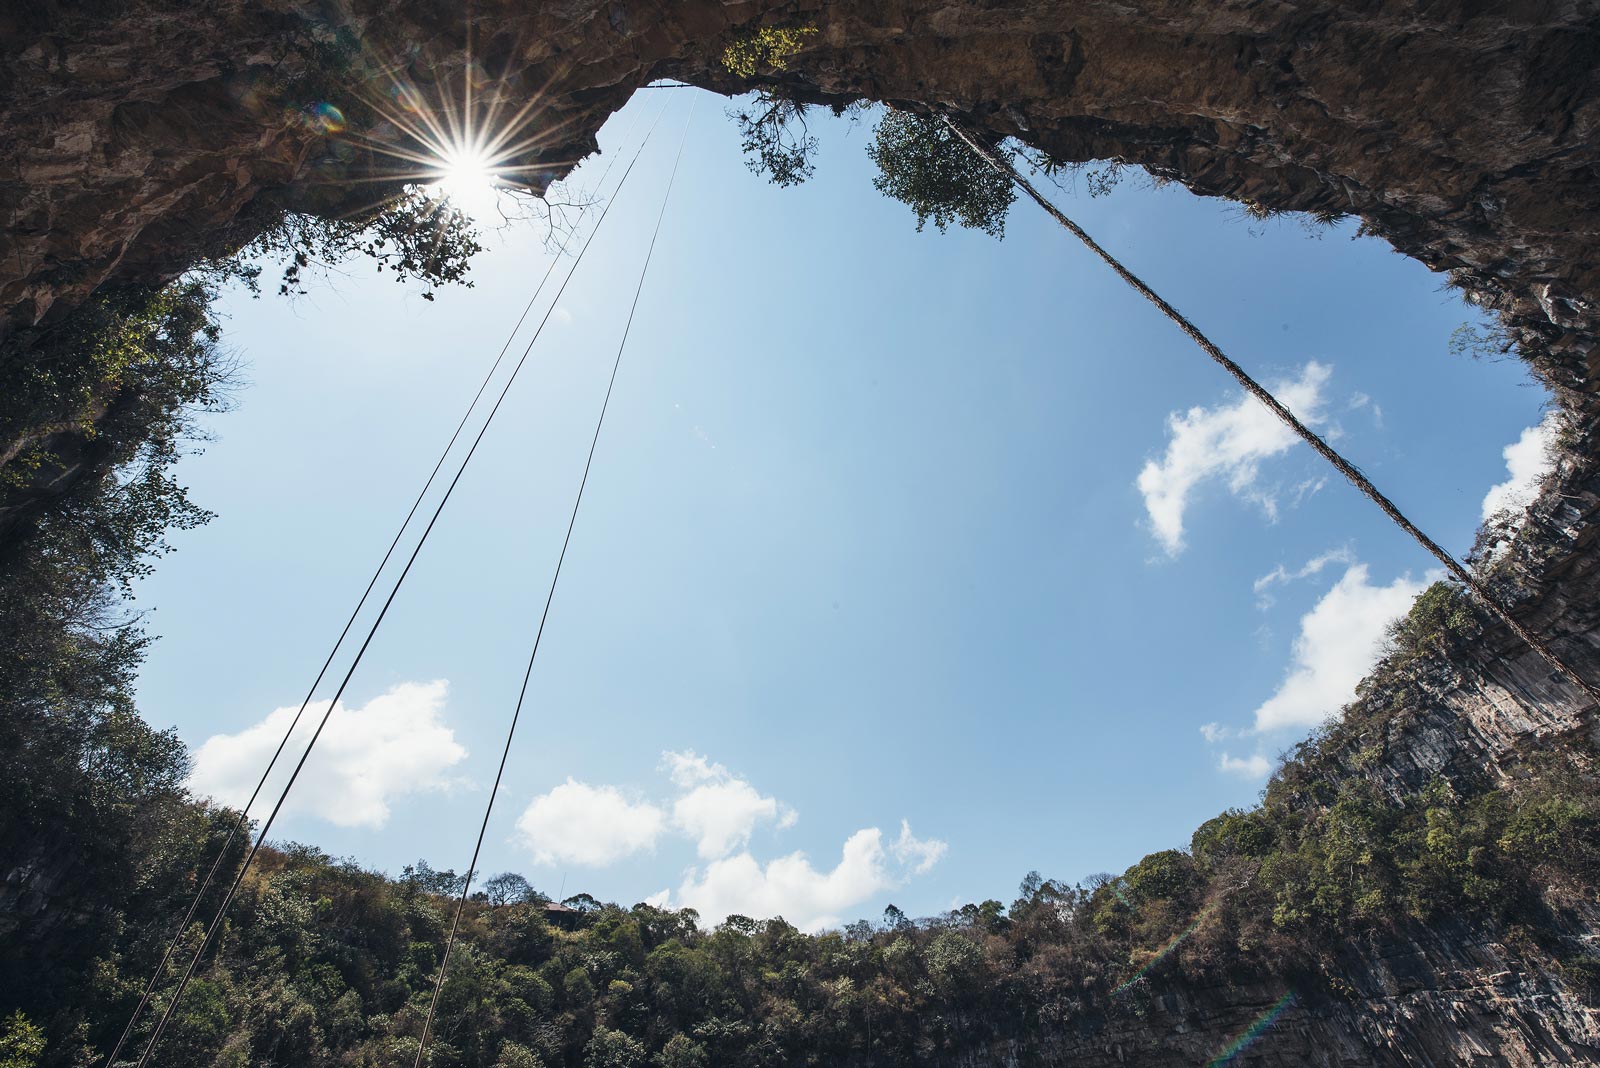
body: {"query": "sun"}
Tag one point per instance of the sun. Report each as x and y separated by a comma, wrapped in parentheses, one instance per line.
(467, 178)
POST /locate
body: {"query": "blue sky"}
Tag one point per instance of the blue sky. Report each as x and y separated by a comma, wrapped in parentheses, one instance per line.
(932, 558)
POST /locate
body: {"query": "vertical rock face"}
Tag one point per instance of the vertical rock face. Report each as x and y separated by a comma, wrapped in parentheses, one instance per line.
(144, 136)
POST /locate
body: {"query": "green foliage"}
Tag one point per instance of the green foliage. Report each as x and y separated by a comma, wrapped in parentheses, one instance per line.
(1441, 610)
(94, 414)
(1169, 874)
(922, 163)
(513, 1055)
(612, 1049)
(413, 235)
(21, 1042)
(681, 1051)
(767, 47)
(324, 963)
(954, 963)
(1235, 833)
(774, 138)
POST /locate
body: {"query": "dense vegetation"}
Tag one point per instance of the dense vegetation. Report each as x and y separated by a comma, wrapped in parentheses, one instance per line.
(95, 409)
(323, 962)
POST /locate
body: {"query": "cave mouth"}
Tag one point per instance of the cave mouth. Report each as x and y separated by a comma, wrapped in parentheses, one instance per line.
(1461, 137)
(1314, 347)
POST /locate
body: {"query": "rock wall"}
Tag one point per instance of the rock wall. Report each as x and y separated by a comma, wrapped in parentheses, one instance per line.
(1443, 997)
(143, 135)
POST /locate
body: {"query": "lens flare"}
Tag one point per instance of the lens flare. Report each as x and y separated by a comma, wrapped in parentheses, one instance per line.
(1254, 1031)
(406, 97)
(1166, 950)
(474, 140)
(325, 118)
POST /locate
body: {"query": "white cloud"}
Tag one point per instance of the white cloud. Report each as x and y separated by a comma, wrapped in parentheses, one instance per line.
(1340, 639)
(918, 854)
(1227, 442)
(790, 886)
(722, 815)
(397, 744)
(1304, 491)
(689, 769)
(1527, 461)
(1280, 574)
(1255, 766)
(576, 823)
(720, 811)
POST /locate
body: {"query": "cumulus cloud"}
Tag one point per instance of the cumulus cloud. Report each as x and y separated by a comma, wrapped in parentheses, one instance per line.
(1280, 574)
(1340, 639)
(396, 744)
(918, 854)
(1226, 443)
(1527, 462)
(719, 810)
(576, 823)
(791, 887)
(1255, 766)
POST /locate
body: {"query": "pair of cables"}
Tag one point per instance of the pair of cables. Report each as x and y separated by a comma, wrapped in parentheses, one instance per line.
(239, 825)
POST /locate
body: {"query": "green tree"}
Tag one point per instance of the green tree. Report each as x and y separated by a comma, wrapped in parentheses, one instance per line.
(925, 165)
(513, 1055)
(681, 1051)
(21, 1042)
(612, 1049)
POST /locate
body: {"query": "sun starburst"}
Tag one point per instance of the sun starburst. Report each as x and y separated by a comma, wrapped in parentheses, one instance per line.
(477, 147)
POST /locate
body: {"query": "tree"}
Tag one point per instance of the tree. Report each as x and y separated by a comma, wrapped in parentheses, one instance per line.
(514, 1055)
(681, 1051)
(585, 903)
(443, 883)
(612, 1049)
(775, 139)
(507, 888)
(923, 163)
(21, 1042)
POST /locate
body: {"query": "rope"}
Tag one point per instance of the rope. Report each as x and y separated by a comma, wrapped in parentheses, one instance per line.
(238, 825)
(572, 520)
(1311, 437)
(144, 1057)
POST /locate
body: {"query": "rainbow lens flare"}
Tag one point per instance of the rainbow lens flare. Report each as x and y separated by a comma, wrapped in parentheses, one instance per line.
(1254, 1031)
(325, 118)
(1166, 950)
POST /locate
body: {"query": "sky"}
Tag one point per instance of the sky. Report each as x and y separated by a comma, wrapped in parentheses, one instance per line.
(909, 563)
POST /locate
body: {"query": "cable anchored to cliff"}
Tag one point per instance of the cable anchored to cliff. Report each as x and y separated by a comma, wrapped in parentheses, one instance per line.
(1262, 394)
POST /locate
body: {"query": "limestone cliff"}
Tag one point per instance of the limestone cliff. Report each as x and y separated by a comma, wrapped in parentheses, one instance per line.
(144, 135)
